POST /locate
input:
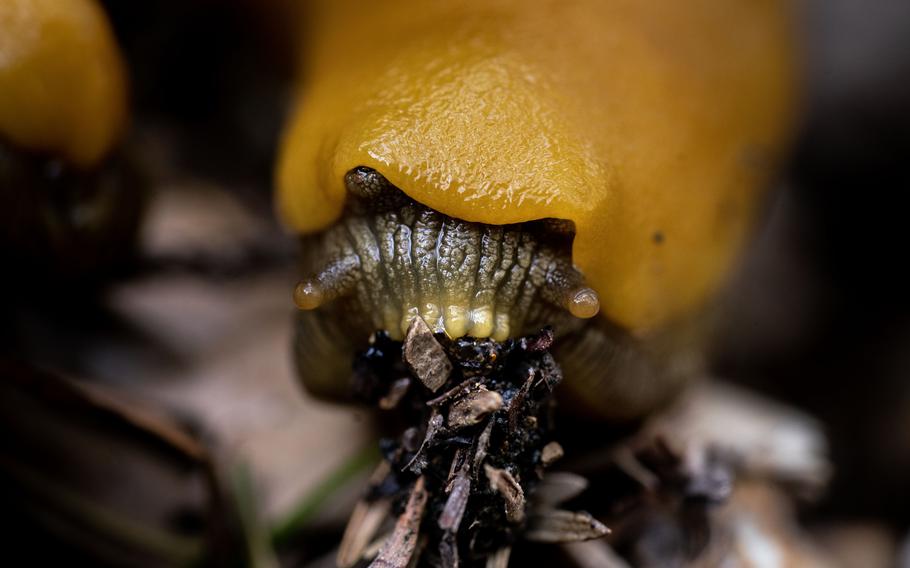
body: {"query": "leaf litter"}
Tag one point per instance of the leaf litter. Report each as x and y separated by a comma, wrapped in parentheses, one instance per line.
(477, 435)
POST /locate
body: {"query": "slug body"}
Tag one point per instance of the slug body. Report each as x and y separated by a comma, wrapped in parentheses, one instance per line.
(67, 205)
(62, 82)
(620, 140)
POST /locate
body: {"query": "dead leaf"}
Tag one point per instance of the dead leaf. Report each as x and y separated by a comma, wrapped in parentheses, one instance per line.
(425, 356)
(398, 549)
(472, 409)
(564, 526)
(502, 482)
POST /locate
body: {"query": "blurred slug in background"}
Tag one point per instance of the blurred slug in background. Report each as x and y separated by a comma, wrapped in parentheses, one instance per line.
(590, 165)
(69, 202)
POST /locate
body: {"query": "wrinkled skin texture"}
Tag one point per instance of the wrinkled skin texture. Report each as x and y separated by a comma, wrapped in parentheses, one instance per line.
(651, 125)
(62, 81)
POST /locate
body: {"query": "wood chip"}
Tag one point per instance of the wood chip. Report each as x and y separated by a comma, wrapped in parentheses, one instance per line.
(472, 409)
(564, 526)
(558, 487)
(396, 392)
(459, 489)
(516, 406)
(461, 388)
(398, 549)
(362, 526)
(455, 506)
(458, 463)
(551, 453)
(483, 444)
(502, 482)
(425, 356)
(372, 550)
(418, 462)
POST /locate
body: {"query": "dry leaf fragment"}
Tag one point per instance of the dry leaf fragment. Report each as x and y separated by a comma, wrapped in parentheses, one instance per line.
(516, 406)
(363, 524)
(559, 526)
(398, 549)
(483, 444)
(459, 389)
(418, 462)
(459, 489)
(472, 409)
(551, 453)
(457, 502)
(425, 356)
(507, 486)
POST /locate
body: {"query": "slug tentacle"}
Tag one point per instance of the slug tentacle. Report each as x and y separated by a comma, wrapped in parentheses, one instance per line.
(336, 279)
(565, 288)
(371, 192)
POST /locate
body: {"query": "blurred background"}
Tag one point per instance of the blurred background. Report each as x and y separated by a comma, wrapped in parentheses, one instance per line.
(152, 418)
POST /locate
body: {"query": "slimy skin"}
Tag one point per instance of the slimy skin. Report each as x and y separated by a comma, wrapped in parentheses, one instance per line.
(646, 130)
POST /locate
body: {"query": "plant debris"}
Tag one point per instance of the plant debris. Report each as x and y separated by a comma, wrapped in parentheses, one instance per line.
(477, 436)
(564, 526)
(398, 548)
(425, 356)
(466, 479)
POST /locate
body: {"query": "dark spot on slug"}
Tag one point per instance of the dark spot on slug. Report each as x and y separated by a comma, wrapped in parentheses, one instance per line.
(657, 237)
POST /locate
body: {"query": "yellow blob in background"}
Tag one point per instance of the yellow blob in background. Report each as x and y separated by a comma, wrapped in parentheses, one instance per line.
(62, 83)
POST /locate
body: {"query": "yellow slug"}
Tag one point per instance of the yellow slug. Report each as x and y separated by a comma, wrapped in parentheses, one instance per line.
(62, 81)
(651, 125)
(70, 201)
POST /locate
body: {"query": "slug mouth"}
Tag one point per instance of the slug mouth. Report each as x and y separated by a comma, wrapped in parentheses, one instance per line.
(390, 260)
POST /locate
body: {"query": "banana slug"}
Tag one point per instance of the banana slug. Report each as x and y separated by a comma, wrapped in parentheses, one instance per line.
(69, 205)
(495, 166)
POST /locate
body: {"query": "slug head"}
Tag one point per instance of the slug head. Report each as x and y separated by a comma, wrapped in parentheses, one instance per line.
(651, 126)
(391, 259)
